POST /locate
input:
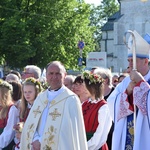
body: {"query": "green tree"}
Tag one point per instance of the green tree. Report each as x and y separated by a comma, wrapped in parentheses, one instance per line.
(39, 31)
(100, 15)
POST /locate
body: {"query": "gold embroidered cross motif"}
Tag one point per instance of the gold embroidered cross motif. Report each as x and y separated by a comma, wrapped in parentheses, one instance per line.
(55, 114)
(36, 111)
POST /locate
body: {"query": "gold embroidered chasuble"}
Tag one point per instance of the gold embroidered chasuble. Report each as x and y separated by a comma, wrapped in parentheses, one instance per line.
(64, 128)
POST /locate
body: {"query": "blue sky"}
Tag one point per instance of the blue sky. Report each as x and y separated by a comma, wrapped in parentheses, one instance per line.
(95, 2)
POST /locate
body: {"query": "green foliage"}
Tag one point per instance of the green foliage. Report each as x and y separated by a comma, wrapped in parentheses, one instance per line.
(108, 7)
(100, 15)
(39, 31)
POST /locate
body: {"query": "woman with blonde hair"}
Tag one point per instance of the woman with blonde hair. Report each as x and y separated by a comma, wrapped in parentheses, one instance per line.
(9, 116)
(31, 87)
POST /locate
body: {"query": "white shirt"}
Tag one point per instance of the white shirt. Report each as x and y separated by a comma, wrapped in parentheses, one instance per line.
(8, 133)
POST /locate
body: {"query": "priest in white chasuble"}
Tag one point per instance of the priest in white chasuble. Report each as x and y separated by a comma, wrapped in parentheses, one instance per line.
(55, 121)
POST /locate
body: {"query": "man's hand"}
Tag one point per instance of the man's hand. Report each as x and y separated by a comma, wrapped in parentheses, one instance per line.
(136, 76)
(36, 145)
(130, 87)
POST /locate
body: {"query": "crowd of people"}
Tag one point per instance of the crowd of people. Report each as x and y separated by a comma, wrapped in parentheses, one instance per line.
(91, 111)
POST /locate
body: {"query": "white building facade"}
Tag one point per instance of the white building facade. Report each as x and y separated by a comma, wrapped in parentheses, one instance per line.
(133, 15)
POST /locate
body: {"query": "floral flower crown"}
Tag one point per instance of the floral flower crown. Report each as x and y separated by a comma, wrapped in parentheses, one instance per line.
(6, 84)
(93, 78)
(33, 80)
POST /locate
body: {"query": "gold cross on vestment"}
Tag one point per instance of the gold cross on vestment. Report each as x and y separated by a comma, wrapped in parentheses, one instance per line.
(36, 111)
(55, 114)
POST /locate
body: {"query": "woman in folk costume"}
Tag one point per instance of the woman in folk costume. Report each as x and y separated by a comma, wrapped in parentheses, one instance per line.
(9, 116)
(80, 89)
(31, 88)
(129, 102)
(108, 89)
(96, 113)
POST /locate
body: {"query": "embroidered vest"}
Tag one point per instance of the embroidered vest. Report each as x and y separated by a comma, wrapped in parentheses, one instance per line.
(90, 115)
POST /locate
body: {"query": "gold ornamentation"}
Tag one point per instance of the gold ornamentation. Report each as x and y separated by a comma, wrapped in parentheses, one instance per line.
(48, 148)
(131, 130)
(53, 102)
(130, 126)
(36, 111)
(46, 102)
(30, 130)
(50, 140)
(55, 114)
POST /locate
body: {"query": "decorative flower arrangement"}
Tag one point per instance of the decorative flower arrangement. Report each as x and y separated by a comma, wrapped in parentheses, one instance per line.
(94, 78)
(33, 80)
(6, 84)
(18, 127)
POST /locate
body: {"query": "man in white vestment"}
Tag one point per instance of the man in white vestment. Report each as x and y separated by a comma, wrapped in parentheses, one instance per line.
(129, 103)
(55, 121)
